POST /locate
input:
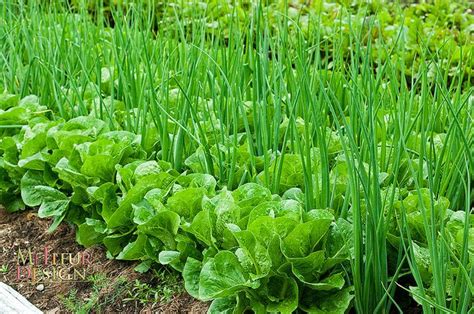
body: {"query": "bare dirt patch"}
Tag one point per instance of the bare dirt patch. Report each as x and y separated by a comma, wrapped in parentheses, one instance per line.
(25, 231)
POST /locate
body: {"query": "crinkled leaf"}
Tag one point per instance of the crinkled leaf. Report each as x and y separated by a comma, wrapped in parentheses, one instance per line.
(142, 213)
(326, 302)
(253, 254)
(53, 208)
(123, 215)
(305, 237)
(163, 226)
(223, 276)
(187, 202)
(251, 194)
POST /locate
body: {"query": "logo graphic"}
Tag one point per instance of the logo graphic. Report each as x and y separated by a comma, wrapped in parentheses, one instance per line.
(45, 266)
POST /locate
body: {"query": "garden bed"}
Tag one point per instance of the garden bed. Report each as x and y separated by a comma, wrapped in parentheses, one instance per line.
(273, 156)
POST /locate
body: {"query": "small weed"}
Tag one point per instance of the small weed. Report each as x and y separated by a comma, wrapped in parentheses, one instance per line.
(72, 302)
(4, 269)
(163, 291)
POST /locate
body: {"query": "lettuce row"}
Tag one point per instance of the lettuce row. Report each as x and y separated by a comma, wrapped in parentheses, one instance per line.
(242, 249)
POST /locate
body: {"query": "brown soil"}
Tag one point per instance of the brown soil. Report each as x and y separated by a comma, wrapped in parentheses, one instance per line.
(26, 231)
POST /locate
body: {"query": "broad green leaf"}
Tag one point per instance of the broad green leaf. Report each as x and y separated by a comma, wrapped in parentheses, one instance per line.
(124, 176)
(251, 194)
(90, 125)
(156, 198)
(339, 244)
(142, 213)
(146, 168)
(223, 276)
(52, 202)
(253, 255)
(291, 209)
(88, 235)
(202, 228)
(269, 231)
(8, 100)
(191, 276)
(33, 162)
(14, 116)
(11, 202)
(186, 202)
(423, 260)
(56, 222)
(116, 242)
(134, 250)
(290, 172)
(226, 212)
(144, 266)
(333, 282)
(50, 208)
(100, 166)
(270, 208)
(307, 268)
(202, 180)
(197, 161)
(223, 305)
(30, 195)
(123, 215)
(167, 257)
(282, 294)
(294, 194)
(106, 197)
(326, 302)
(163, 226)
(322, 215)
(303, 239)
(69, 174)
